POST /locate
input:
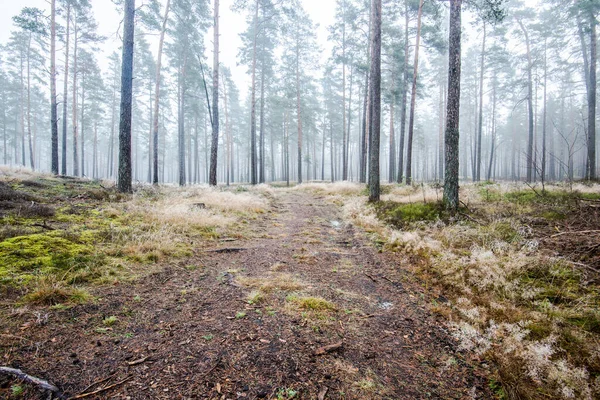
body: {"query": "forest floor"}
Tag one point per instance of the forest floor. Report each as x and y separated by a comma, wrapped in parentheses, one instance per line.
(263, 293)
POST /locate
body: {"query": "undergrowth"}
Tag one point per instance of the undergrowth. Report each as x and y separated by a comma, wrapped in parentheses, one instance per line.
(60, 235)
(534, 313)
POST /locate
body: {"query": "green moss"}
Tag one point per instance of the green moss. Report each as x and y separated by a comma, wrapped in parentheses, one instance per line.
(399, 214)
(588, 320)
(553, 215)
(490, 194)
(590, 196)
(41, 251)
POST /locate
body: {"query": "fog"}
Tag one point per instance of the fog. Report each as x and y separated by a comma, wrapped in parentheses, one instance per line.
(526, 87)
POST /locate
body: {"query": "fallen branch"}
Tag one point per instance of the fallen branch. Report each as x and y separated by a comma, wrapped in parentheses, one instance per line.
(104, 389)
(329, 348)
(574, 233)
(226, 250)
(44, 226)
(322, 393)
(470, 218)
(98, 382)
(370, 277)
(139, 361)
(45, 385)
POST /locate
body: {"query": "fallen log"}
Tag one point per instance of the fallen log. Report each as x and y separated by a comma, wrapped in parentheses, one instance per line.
(42, 384)
(327, 349)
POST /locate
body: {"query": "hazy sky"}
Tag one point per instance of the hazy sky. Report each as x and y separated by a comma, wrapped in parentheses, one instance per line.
(231, 25)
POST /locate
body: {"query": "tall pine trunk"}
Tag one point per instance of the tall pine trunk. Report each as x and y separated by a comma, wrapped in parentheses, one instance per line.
(298, 112)
(591, 142)
(375, 125)
(404, 97)
(413, 99)
(74, 107)
(453, 109)
(124, 179)
(530, 166)
(214, 147)
(63, 170)
(480, 119)
(53, 105)
(157, 97)
(30, 140)
(253, 103)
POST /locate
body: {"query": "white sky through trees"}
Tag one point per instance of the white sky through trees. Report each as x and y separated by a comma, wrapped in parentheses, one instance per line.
(108, 17)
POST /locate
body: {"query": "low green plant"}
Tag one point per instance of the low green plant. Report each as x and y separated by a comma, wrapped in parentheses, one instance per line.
(110, 321)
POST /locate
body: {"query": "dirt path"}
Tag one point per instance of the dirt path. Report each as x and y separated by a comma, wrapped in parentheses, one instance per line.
(190, 332)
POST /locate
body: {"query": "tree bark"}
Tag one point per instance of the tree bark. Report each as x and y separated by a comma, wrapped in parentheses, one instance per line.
(374, 132)
(253, 103)
(53, 105)
(404, 97)
(65, 91)
(298, 111)
(157, 96)
(392, 158)
(480, 120)
(124, 179)
(31, 153)
(74, 108)
(591, 143)
(214, 147)
(413, 99)
(453, 109)
(363, 139)
(344, 138)
(530, 166)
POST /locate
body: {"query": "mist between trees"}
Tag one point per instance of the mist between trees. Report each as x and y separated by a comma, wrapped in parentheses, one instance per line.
(526, 84)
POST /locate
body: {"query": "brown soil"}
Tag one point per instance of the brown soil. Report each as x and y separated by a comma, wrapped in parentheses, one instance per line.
(182, 333)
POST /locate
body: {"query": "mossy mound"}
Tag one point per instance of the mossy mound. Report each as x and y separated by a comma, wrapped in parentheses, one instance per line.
(402, 214)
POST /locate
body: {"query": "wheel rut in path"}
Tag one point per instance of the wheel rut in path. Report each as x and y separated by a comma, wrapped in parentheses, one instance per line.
(249, 321)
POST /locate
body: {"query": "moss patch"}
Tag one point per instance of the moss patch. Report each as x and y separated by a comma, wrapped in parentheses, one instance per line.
(400, 214)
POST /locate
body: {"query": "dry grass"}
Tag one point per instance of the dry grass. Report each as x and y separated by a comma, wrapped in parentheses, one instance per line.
(343, 188)
(101, 236)
(275, 282)
(533, 314)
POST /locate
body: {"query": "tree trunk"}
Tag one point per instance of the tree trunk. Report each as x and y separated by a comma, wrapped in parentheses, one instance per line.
(82, 123)
(227, 136)
(298, 113)
(344, 138)
(157, 96)
(543, 161)
(404, 97)
(374, 132)
(65, 91)
(413, 99)
(591, 143)
(453, 109)
(214, 147)
(493, 134)
(392, 165)
(363, 140)
(181, 126)
(53, 105)
(30, 140)
(530, 166)
(124, 179)
(95, 152)
(74, 108)
(253, 103)
(480, 126)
